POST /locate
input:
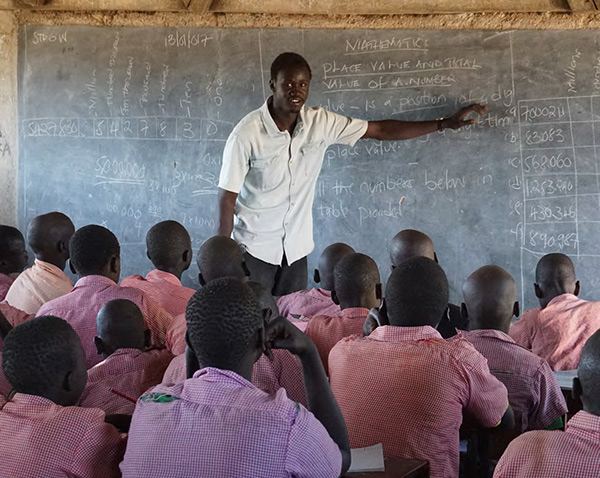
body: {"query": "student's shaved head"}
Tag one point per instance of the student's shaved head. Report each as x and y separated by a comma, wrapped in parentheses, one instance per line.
(328, 260)
(357, 281)
(490, 294)
(265, 298)
(410, 243)
(39, 354)
(554, 276)
(416, 293)
(169, 247)
(46, 231)
(222, 317)
(121, 325)
(13, 256)
(92, 248)
(589, 374)
(221, 256)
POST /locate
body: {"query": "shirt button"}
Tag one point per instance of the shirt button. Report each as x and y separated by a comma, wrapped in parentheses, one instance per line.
(291, 161)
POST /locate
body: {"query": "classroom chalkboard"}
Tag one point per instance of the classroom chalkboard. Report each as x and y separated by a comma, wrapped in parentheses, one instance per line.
(125, 127)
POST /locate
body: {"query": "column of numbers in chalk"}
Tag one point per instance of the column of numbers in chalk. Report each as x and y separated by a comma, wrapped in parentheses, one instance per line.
(560, 174)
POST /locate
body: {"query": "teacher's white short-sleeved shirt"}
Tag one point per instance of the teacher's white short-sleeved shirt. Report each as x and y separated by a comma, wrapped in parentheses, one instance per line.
(275, 175)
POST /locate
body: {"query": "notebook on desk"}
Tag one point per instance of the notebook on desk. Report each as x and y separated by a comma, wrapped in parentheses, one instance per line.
(367, 459)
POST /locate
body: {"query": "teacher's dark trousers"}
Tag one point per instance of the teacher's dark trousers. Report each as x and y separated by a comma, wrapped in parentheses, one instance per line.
(280, 280)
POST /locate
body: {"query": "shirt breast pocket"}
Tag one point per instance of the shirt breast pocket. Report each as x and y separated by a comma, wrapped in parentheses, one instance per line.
(266, 173)
(312, 157)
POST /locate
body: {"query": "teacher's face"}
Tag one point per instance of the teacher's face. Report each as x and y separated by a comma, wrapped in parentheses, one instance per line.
(290, 89)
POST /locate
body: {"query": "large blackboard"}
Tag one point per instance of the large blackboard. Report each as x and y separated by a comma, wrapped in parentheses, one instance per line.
(125, 127)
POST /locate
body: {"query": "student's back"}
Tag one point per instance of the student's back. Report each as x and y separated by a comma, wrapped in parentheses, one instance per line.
(405, 386)
(95, 255)
(217, 424)
(43, 433)
(490, 302)
(558, 330)
(169, 247)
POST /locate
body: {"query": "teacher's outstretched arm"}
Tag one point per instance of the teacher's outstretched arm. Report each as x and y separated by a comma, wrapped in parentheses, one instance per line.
(387, 130)
(226, 206)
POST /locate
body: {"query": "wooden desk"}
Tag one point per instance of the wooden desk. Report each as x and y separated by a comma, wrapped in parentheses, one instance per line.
(397, 468)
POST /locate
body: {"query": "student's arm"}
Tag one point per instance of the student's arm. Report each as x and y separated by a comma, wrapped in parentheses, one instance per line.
(508, 420)
(226, 206)
(396, 130)
(282, 334)
(5, 326)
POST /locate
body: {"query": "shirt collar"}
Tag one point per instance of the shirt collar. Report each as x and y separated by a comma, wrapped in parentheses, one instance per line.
(354, 312)
(217, 375)
(46, 266)
(163, 276)
(391, 333)
(269, 122)
(125, 351)
(563, 298)
(490, 333)
(95, 280)
(585, 425)
(26, 399)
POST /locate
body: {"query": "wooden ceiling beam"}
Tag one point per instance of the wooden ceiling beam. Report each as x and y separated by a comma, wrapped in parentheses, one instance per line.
(361, 7)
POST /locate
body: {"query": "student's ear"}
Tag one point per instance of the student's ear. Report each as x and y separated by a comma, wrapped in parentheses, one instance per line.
(201, 279)
(335, 298)
(186, 258)
(148, 255)
(539, 293)
(435, 257)
(191, 361)
(69, 382)
(272, 84)
(463, 311)
(379, 291)
(577, 388)
(61, 247)
(115, 265)
(99, 345)
(577, 288)
(392, 267)
(147, 338)
(317, 276)
(72, 267)
(516, 309)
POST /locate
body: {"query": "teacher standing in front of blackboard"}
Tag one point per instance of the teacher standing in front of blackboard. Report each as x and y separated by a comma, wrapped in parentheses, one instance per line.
(271, 163)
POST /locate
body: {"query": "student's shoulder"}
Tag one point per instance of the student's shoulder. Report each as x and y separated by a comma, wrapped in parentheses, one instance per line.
(462, 352)
(80, 419)
(132, 280)
(248, 125)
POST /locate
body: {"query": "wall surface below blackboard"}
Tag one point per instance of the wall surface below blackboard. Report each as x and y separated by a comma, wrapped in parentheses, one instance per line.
(125, 127)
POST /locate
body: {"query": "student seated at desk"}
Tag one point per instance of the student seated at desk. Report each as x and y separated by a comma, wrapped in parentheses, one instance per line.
(96, 257)
(13, 257)
(410, 243)
(127, 367)
(42, 432)
(169, 247)
(405, 386)
(316, 301)
(48, 236)
(574, 453)
(357, 288)
(217, 424)
(490, 302)
(558, 329)
(282, 370)
(218, 257)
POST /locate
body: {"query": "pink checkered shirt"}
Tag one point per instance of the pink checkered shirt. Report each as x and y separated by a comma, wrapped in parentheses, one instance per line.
(407, 387)
(164, 288)
(558, 332)
(129, 371)
(80, 308)
(574, 453)
(37, 285)
(218, 425)
(285, 371)
(327, 331)
(5, 283)
(533, 392)
(308, 303)
(42, 439)
(13, 315)
(176, 335)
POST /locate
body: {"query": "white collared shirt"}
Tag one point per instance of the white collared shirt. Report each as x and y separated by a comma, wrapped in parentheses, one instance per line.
(275, 176)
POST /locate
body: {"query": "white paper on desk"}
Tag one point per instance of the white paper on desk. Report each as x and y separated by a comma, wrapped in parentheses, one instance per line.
(367, 459)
